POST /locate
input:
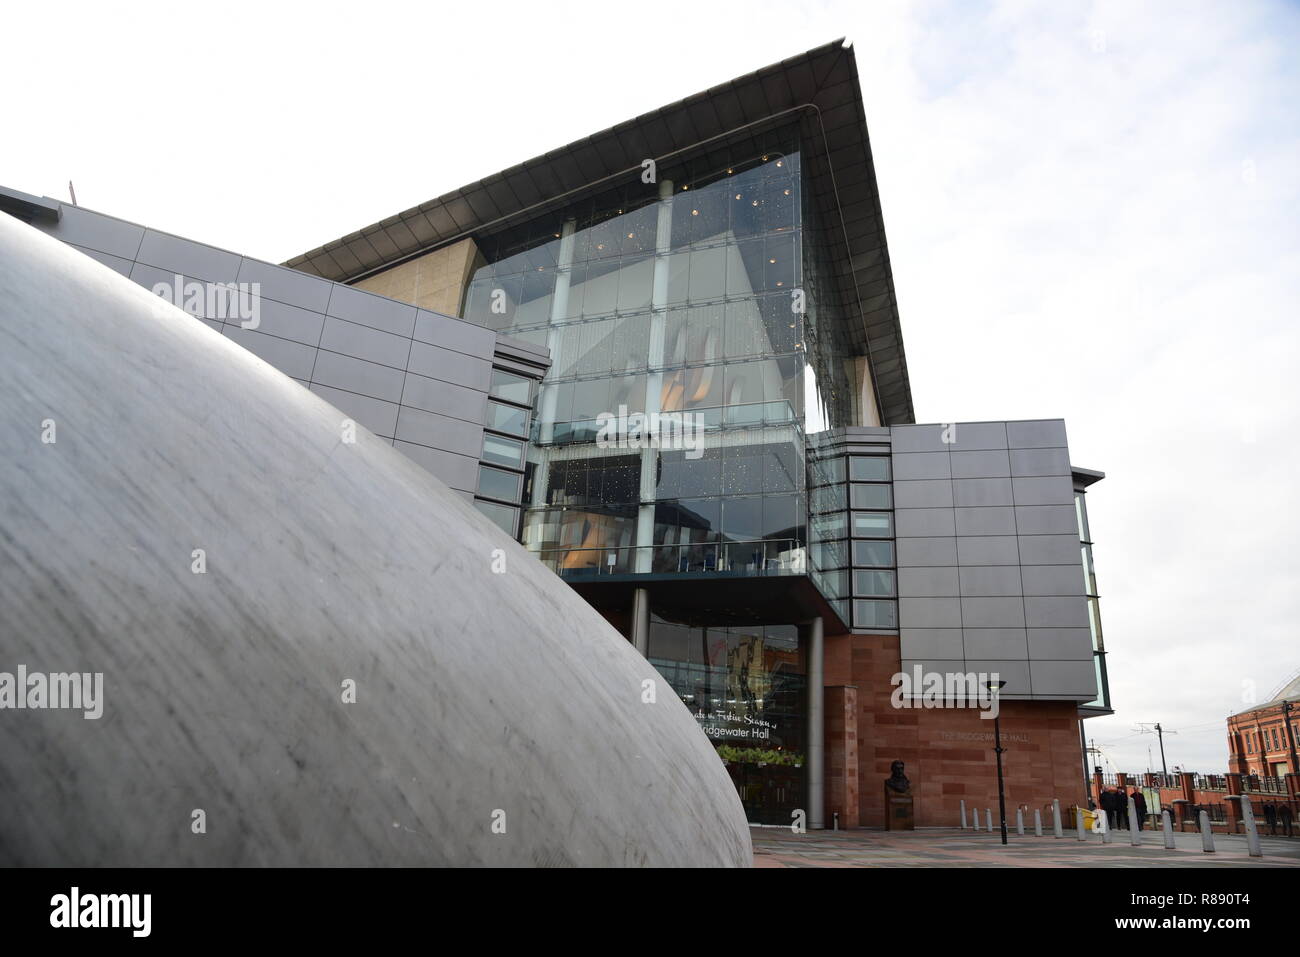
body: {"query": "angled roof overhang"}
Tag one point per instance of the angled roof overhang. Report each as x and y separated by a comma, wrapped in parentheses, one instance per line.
(819, 89)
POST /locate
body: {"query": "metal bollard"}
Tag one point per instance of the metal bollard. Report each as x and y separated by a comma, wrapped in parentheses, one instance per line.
(1207, 836)
(1134, 835)
(1020, 822)
(963, 814)
(1038, 823)
(988, 817)
(1078, 823)
(1167, 825)
(1253, 847)
(1056, 819)
(975, 819)
(1105, 827)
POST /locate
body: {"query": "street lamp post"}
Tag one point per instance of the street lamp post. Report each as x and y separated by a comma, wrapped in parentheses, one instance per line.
(995, 687)
(1287, 708)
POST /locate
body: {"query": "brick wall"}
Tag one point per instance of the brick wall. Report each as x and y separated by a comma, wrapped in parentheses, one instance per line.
(948, 752)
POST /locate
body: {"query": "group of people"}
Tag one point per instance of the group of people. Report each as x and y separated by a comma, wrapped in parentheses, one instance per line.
(1114, 804)
(1278, 817)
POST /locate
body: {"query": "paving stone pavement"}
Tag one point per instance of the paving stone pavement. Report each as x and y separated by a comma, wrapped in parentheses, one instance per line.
(943, 847)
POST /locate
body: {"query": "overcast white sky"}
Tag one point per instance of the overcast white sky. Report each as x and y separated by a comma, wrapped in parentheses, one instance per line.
(1098, 200)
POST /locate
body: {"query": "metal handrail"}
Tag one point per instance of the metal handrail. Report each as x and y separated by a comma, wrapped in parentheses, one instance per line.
(761, 556)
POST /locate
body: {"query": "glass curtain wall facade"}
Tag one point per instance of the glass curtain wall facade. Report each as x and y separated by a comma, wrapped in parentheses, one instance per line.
(745, 686)
(681, 299)
(1094, 602)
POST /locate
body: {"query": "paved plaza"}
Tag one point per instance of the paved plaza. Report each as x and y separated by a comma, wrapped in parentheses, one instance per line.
(943, 847)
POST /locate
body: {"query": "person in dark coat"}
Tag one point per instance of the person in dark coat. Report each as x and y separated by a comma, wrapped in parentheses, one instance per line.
(1284, 818)
(1270, 816)
(1110, 806)
(1140, 804)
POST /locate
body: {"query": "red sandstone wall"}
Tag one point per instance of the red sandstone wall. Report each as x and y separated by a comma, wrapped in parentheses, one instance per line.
(948, 752)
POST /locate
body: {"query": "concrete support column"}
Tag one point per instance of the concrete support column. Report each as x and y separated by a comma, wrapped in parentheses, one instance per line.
(641, 621)
(816, 762)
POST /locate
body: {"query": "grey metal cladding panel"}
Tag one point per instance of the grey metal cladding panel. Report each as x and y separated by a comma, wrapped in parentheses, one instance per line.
(292, 358)
(1047, 520)
(1049, 550)
(929, 612)
(968, 436)
(927, 582)
(371, 310)
(990, 580)
(942, 643)
(921, 465)
(1067, 679)
(923, 522)
(440, 363)
(445, 398)
(932, 493)
(995, 520)
(188, 257)
(289, 322)
(116, 263)
(982, 491)
(1060, 644)
(376, 415)
(1044, 490)
(440, 432)
(458, 471)
(993, 612)
(1014, 672)
(922, 552)
(357, 375)
(1025, 462)
(991, 463)
(81, 227)
(455, 334)
(363, 342)
(988, 550)
(918, 438)
(288, 286)
(1037, 434)
(1056, 612)
(1000, 643)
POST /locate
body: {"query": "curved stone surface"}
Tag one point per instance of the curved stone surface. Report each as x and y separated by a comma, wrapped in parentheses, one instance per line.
(477, 694)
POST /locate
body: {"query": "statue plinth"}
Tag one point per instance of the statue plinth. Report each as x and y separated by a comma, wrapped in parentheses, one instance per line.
(898, 811)
(898, 800)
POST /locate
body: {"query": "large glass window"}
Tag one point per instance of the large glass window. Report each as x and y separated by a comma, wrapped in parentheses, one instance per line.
(507, 418)
(503, 451)
(873, 524)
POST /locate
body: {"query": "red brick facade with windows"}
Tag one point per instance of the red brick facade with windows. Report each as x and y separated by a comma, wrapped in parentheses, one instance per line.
(1257, 739)
(948, 752)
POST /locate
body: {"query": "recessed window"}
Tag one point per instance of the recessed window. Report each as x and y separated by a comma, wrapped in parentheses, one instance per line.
(495, 483)
(873, 583)
(503, 516)
(870, 496)
(873, 524)
(511, 387)
(873, 553)
(875, 614)
(864, 468)
(502, 451)
(506, 418)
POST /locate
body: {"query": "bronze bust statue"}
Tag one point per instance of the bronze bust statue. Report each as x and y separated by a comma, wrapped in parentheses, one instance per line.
(897, 781)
